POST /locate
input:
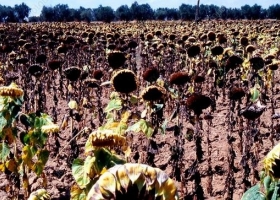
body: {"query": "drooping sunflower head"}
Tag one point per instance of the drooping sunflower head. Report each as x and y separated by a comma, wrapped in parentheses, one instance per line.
(193, 50)
(54, 64)
(197, 102)
(41, 58)
(217, 50)
(124, 81)
(236, 93)
(116, 59)
(149, 36)
(133, 181)
(172, 36)
(244, 41)
(132, 44)
(91, 83)
(250, 48)
(72, 73)
(151, 74)
(211, 36)
(179, 78)
(35, 70)
(98, 74)
(153, 93)
(222, 39)
(103, 138)
(12, 91)
(232, 62)
(274, 65)
(257, 62)
(192, 39)
(272, 162)
(199, 78)
(50, 128)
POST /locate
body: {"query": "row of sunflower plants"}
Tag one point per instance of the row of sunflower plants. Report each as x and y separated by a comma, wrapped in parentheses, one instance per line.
(103, 174)
(184, 70)
(23, 148)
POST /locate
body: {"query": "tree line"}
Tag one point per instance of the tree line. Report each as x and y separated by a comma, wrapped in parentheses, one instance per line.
(141, 12)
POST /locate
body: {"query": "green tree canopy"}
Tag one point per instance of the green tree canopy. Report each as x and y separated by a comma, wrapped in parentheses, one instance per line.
(105, 14)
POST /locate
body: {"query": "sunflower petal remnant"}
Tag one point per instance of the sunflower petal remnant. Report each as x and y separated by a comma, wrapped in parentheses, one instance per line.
(272, 163)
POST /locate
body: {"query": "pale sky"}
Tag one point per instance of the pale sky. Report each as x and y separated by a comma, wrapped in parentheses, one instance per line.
(36, 5)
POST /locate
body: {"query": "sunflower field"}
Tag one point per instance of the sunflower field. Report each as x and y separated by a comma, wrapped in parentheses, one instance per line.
(158, 110)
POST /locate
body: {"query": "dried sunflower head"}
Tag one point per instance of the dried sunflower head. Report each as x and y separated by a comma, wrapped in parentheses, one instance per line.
(21, 42)
(103, 138)
(98, 74)
(217, 50)
(274, 65)
(22, 60)
(192, 39)
(272, 162)
(124, 81)
(197, 102)
(199, 78)
(111, 46)
(149, 36)
(172, 37)
(151, 74)
(132, 44)
(41, 58)
(244, 41)
(269, 57)
(12, 55)
(35, 70)
(62, 49)
(203, 37)
(12, 91)
(133, 181)
(116, 59)
(250, 48)
(257, 63)
(54, 64)
(253, 111)
(193, 50)
(91, 83)
(222, 39)
(153, 93)
(179, 78)
(50, 128)
(211, 36)
(233, 61)
(72, 73)
(236, 93)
